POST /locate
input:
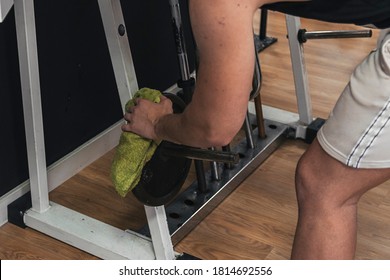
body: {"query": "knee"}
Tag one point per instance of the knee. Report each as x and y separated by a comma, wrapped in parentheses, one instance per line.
(305, 183)
(319, 187)
(314, 192)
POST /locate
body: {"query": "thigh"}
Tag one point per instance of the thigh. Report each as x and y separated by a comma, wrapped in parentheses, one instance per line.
(328, 182)
(357, 132)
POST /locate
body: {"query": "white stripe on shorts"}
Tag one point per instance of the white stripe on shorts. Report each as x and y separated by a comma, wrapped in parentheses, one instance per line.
(368, 138)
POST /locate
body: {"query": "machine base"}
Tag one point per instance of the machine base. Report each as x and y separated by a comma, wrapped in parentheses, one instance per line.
(191, 206)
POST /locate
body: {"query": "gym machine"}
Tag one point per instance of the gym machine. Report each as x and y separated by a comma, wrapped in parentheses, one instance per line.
(167, 222)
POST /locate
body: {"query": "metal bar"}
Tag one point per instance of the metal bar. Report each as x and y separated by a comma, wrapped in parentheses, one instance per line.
(32, 108)
(82, 156)
(200, 176)
(214, 168)
(259, 117)
(118, 45)
(262, 41)
(299, 72)
(171, 149)
(304, 35)
(161, 237)
(263, 24)
(215, 175)
(257, 81)
(276, 115)
(228, 149)
(90, 235)
(179, 40)
(248, 132)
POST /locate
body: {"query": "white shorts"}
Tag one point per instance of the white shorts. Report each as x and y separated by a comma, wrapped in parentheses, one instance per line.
(357, 131)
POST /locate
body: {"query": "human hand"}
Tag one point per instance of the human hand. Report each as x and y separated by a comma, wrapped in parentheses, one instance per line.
(142, 118)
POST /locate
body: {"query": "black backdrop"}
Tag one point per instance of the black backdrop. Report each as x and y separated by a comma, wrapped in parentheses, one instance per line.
(79, 95)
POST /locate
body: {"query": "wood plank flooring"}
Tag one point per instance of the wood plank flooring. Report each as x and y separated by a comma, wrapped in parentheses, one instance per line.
(257, 221)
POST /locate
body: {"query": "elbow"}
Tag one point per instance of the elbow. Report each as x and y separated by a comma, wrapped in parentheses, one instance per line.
(211, 131)
(218, 140)
(219, 136)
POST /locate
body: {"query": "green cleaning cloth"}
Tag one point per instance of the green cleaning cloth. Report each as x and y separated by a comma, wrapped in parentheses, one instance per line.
(133, 151)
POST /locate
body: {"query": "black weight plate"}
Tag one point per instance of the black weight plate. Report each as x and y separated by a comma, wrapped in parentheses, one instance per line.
(163, 176)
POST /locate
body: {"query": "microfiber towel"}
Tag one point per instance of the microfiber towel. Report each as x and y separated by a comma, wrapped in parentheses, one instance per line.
(133, 151)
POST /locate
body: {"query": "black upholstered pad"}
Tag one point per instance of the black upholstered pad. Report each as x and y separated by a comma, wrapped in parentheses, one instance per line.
(360, 12)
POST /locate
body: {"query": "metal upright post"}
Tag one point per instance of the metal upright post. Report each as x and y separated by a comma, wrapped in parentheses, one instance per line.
(179, 40)
(159, 231)
(263, 24)
(31, 94)
(300, 76)
(118, 45)
(263, 41)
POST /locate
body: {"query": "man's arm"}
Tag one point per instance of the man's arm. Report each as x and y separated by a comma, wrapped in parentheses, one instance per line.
(224, 36)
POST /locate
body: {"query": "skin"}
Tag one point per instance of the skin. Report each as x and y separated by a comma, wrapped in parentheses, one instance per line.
(328, 193)
(224, 36)
(327, 190)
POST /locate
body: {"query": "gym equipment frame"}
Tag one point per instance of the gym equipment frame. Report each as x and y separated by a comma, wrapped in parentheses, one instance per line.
(157, 239)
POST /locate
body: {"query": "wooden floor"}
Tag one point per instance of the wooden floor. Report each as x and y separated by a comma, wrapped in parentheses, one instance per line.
(258, 220)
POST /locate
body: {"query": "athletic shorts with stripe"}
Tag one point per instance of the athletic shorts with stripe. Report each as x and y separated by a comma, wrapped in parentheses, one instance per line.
(357, 132)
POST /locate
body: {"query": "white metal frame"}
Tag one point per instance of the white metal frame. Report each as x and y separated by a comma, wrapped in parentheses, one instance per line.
(300, 121)
(300, 76)
(31, 95)
(5, 6)
(79, 230)
(58, 221)
(118, 45)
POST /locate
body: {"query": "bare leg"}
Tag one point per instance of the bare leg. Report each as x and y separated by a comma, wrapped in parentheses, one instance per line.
(328, 193)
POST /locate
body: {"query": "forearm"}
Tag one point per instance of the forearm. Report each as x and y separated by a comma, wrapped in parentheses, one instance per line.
(191, 130)
(173, 128)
